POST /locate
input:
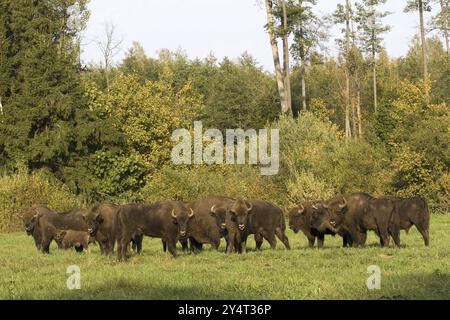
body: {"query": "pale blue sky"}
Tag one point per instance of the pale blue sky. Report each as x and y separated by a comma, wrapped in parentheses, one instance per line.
(224, 27)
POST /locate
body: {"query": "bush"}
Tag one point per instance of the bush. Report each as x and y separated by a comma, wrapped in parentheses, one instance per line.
(182, 183)
(20, 191)
(317, 162)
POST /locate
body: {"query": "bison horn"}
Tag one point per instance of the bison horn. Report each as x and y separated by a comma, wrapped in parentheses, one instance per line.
(315, 206)
(173, 214)
(213, 209)
(301, 210)
(192, 213)
(249, 206)
(344, 204)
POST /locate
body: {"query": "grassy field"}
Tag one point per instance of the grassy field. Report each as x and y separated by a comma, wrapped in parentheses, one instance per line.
(412, 272)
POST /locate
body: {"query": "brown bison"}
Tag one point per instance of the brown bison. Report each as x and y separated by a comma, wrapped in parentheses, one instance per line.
(344, 214)
(80, 240)
(209, 224)
(411, 212)
(101, 221)
(30, 219)
(304, 217)
(260, 218)
(166, 220)
(49, 223)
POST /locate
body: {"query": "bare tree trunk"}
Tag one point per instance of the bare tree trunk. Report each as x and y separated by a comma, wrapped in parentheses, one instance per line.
(276, 57)
(353, 119)
(374, 66)
(444, 12)
(348, 132)
(302, 73)
(375, 91)
(287, 80)
(423, 40)
(358, 110)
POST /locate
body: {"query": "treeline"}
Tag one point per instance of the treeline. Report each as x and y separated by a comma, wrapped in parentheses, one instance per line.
(102, 132)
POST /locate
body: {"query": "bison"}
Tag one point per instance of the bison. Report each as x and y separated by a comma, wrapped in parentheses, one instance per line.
(50, 222)
(80, 240)
(30, 221)
(101, 225)
(260, 218)
(343, 215)
(412, 212)
(208, 226)
(166, 220)
(304, 217)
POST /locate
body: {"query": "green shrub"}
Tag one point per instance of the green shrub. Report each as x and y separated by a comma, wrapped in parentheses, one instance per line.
(182, 183)
(20, 191)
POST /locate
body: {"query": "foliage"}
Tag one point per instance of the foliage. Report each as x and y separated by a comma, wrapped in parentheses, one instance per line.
(184, 183)
(20, 191)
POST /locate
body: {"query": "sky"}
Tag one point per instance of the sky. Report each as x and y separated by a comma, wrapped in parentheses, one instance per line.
(222, 27)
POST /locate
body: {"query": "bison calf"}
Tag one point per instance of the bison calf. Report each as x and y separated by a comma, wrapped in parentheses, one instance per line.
(79, 240)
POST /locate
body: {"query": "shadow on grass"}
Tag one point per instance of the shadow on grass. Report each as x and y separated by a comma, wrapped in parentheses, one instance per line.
(428, 286)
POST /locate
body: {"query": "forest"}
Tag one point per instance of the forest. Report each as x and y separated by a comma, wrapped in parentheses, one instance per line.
(73, 135)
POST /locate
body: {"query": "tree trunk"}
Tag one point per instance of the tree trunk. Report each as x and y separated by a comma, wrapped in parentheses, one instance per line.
(287, 80)
(348, 132)
(276, 57)
(423, 40)
(375, 91)
(445, 18)
(358, 110)
(302, 74)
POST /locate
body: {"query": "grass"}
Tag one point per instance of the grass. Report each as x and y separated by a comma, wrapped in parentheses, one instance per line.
(412, 272)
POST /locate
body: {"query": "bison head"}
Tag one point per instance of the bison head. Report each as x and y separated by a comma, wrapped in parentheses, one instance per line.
(30, 224)
(59, 237)
(181, 216)
(93, 220)
(240, 211)
(220, 214)
(320, 218)
(336, 209)
(296, 218)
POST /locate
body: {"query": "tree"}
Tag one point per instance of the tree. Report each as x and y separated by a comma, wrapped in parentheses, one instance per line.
(40, 87)
(441, 22)
(308, 32)
(280, 74)
(344, 15)
(421, 6)
(109, 47)
(370, 29)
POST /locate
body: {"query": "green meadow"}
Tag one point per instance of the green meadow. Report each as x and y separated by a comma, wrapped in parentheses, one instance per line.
(411, 272)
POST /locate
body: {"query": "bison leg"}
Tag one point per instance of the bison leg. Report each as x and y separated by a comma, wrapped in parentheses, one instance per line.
(311, 242)
(320, 240)
(45, 244)
(259, 241)
(172, 247)
(270, 237)
(394, 231)
(425, 234)
(138, 240)
(184, 245)
(283, 238)
(123, 246)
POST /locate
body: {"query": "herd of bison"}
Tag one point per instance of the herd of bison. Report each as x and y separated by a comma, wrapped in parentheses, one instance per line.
(206, 221)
